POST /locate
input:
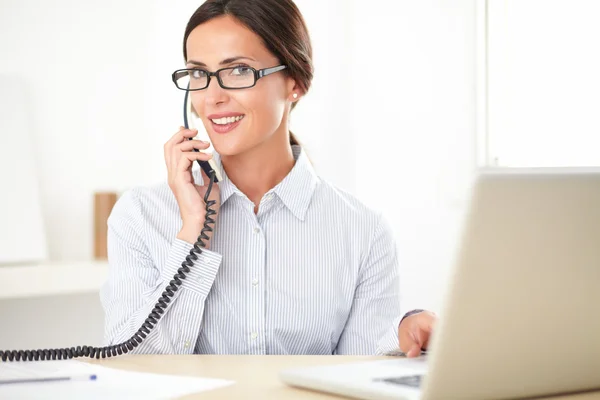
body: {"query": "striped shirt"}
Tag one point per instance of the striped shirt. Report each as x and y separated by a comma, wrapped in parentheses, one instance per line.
(313, 272)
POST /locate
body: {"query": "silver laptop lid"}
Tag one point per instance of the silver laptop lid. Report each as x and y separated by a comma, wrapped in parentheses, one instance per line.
(522, 317)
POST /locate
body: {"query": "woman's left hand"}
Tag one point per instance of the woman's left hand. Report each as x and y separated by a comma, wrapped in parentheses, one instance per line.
(414, 332)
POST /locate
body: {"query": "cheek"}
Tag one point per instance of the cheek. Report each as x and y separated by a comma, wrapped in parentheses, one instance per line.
(265, 107)
(198, 104)
(260, 101)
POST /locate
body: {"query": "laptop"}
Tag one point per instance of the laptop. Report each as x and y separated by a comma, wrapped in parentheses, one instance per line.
(521, 311)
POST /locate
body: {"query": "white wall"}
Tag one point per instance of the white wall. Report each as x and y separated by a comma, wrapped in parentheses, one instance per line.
(390, 116)
(543, 81)
(85, 64)
(415, 116)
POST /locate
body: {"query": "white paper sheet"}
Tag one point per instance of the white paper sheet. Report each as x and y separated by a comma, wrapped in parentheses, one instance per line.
(110, 383)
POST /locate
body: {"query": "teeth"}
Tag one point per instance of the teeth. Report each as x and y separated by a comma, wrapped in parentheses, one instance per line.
(227, 120)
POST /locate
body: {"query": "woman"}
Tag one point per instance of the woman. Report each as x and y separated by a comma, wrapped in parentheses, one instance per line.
(294, 265)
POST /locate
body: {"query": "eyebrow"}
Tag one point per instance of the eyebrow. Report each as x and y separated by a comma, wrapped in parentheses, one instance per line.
(224, 62)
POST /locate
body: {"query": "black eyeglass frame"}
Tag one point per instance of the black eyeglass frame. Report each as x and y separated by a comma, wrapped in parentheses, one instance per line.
(260, 73)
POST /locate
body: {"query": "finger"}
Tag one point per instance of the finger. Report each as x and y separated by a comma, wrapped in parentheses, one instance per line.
(409, 343)
(187, 158)
(183, 134)
(422, 338)
(426, 330)
(189, 145)
(180, 137)
(414, 351)
(171, 157)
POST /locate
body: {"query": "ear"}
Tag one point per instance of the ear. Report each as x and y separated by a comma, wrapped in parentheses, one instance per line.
(294, 90)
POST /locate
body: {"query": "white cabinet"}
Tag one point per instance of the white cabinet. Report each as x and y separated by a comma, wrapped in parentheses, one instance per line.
(50, 279)
(51, 305)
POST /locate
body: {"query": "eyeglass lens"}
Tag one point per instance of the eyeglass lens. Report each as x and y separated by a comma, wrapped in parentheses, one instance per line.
(234, 78)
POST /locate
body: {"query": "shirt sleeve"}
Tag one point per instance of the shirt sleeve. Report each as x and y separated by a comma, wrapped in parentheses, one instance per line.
(372, 326)
(135, 283)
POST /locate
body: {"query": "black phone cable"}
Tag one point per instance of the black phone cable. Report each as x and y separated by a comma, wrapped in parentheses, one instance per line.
(149, 323)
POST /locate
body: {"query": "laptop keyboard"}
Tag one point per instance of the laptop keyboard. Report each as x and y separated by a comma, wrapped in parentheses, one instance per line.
(411, 380)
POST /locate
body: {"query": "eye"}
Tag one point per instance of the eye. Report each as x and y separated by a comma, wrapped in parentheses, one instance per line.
(197, 74)
(241, 70)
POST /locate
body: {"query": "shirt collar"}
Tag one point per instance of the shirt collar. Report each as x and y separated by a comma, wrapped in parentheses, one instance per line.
(295, 190)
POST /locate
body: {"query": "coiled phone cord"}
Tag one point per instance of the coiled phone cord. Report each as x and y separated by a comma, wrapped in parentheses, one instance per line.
(149, 323)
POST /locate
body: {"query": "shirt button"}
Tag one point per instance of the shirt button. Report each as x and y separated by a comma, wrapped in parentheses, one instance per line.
(254, 335)
(256, 230)
(186, 344)
(255, 282)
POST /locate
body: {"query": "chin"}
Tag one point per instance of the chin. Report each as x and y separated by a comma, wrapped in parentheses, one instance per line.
(229, 149)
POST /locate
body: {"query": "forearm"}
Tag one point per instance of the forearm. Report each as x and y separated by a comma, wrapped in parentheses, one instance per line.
(191, 231)
(129, 303)
(376, 306)
(389, 342)
(166, 336)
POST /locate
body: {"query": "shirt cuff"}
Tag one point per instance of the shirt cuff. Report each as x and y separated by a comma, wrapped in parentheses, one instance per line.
(203, 272)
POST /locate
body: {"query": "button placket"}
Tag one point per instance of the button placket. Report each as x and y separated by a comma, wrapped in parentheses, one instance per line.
(256, 296)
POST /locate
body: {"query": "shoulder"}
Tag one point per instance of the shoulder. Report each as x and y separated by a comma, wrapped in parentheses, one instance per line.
(350, 212)
(143, 203)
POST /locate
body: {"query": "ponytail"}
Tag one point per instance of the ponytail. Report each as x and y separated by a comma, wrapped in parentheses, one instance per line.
(295, 142)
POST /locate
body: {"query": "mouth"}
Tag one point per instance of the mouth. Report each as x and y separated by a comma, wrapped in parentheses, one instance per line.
(226, 124)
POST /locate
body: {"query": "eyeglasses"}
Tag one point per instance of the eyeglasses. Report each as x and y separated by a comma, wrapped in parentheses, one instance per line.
(240, 77)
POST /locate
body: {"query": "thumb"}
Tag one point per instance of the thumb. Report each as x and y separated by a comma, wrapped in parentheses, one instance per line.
(414, 346)
(414, 351)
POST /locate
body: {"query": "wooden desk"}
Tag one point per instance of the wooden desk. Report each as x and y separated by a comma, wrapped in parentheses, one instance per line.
(256, 377)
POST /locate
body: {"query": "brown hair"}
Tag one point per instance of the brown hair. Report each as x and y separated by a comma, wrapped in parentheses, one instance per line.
(277, 22)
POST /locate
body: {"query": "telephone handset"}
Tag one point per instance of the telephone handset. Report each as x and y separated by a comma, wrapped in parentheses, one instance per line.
(188, 121)
(159, 308)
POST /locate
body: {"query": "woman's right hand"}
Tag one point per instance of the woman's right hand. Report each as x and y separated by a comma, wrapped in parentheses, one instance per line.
(179, 158)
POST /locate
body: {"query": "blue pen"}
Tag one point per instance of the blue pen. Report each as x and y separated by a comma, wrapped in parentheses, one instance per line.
(49, 379)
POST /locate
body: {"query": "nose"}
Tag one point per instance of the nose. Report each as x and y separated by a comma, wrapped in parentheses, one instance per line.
(215, 94)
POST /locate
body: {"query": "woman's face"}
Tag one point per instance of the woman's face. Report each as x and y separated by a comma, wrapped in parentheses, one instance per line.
(242, 119)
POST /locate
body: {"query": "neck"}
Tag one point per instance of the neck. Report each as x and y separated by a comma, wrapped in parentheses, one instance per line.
(258, 170)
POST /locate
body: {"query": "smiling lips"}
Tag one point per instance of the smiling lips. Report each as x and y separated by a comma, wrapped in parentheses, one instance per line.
(223, 123)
